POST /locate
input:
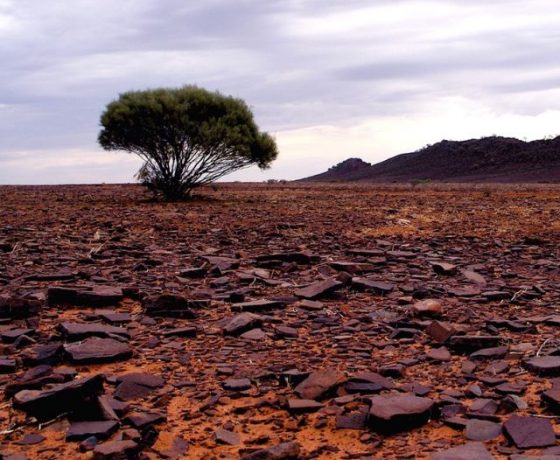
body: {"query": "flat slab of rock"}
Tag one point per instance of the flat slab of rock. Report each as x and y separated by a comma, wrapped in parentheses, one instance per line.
(97, 350)
(172, 306)
(241, 323)
(59, 399)
(18, 308)
(303, 258)
(319, 384)
(78, 331)
(82, 430)
(544, 365)
(391, 414)
(468, 451)
(530, 432)
(284, 451)
(482, 430)
(115, 450)
(319, 289)
(258, 305)
(303, 405)
(227, 437)
(471, 343)
(98, 296)
(366, 284)
(237, 384)
(444, 268)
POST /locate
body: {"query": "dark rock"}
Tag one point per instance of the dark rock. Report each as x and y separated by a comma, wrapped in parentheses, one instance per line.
(482, 430)
(284, 451)
(471, 343)
(303, 258)
(439, 332)
(7, 366)
(115, 450)
(137, 385)
(59, 399)
(227, 437)
(444, 268)
(50, 353)
(254, 334)
(529, 432)
(320, 384)
(303, 405)
(97, 350)
(390, 414)
(172, 305)
(439, 354)
(188, 331)
(258, 305)
(82, 430)
(544, 365)
(79, 331)
(489, 353)
(237, 384)
(468, 451)
(142, 420)
(319, 289)
(18, 308)
(377, 287)
(11, 335)
(241, 323)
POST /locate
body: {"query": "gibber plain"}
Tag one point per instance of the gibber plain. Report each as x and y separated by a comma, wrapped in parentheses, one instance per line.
(276, 321)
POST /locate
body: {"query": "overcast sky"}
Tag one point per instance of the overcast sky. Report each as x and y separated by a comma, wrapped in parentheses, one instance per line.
(330, 79)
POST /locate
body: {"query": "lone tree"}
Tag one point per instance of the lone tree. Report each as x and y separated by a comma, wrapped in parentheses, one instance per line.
(187, 137)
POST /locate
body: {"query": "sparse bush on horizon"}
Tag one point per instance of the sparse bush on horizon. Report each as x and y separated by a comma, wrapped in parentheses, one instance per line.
(187, 137)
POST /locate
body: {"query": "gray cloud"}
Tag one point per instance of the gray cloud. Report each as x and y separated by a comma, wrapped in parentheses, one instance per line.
(298, 63)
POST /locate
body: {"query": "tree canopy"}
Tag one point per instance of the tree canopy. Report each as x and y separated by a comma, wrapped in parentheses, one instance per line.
(187, 137)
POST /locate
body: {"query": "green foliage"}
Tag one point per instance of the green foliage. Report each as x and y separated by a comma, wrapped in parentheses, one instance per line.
(187, 137)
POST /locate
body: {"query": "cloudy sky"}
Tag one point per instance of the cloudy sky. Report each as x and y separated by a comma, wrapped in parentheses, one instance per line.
(330, 79)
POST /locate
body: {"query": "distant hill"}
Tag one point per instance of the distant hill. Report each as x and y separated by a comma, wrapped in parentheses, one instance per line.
(490, 159)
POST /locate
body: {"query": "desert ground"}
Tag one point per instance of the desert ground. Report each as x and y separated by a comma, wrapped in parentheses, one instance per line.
(280, 321)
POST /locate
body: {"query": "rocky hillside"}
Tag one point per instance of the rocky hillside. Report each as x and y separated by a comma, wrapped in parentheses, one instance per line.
(490, 159)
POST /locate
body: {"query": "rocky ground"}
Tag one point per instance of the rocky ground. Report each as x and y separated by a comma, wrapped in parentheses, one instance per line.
(280, 322)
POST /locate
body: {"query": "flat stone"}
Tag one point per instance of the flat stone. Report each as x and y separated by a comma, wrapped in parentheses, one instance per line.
(18, 307)
(284, 451)
(468, 451)
(319, 289)
(97, 350)
(444, 268)
(7, 366)
(137, 385)
(377, 287)
(254, 334)
(31, 439)
(352, 267)
(227, 437)
(471, 343)
(482, 430)
(530, 432)
(237, 384)
(390, 414)
(552, 399)
(258, 305)
(544, 365)
(188, 331)
(439, 354)
(303, 257)
(50, 353)
(303, 405)
(242, 323)
(78, 331)
(286, 331)
(59, 399)
(172, 306)
(489, 353)
(115, 450)
(320, 384)
(11, 335)
(141, 420)
(82, 430)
